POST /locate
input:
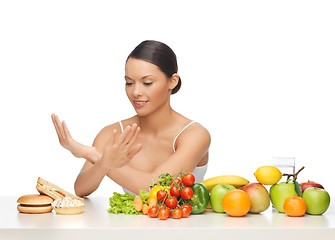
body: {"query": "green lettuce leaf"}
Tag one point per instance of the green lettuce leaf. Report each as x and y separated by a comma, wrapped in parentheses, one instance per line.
(122, 203)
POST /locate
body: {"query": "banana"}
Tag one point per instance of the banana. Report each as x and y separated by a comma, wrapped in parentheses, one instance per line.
(234, 180)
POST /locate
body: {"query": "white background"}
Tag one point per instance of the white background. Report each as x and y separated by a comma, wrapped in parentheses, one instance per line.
(259, 75)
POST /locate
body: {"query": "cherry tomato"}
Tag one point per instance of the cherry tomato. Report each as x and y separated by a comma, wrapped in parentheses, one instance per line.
(176, 213)
(176, 182)
(155, 189)
(164, 213)
(188, 179)
(175, 191)
(161, 194)
(188, 206)
(171, 202)
(187, 193)
(186, 210)
(152, 212)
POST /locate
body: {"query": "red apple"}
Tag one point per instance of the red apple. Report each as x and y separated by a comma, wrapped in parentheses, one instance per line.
(309, 184)
(259, 197)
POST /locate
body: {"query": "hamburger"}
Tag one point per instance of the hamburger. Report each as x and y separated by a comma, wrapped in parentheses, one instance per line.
(34, 203)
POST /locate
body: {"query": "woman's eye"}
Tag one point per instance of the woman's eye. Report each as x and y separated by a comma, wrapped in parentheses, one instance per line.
(128, 83)
(147, 83)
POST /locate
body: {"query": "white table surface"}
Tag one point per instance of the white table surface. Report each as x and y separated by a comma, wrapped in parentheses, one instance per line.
(96, 222)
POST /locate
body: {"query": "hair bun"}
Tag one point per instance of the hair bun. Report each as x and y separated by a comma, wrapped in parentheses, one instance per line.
(177, 87)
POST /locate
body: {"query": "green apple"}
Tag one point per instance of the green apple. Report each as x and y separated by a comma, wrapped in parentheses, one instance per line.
(217, 194)
(279, 192)
(317, 200)
(259, 197)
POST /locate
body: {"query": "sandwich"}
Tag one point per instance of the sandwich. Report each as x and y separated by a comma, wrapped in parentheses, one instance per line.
(34, 203)
(53, 191)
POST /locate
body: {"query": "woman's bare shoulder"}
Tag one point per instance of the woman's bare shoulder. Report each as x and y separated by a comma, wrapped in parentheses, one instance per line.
(195, 135)
(103, 136)
(197, 130)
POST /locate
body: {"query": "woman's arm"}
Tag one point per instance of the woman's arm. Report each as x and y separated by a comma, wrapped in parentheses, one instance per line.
(118, 152)
(92, 155)
(89, 178)
(192, 147)
(79, 150)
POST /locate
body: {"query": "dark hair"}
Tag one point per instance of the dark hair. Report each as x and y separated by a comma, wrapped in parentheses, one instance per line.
(160, 55)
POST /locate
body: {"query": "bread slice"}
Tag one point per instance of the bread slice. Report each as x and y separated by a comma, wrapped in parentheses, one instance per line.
(26, 209)
(53, 191)
(69, 210)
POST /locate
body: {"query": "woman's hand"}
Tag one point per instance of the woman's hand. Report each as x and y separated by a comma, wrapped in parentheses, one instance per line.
(77, 149)
(119, 151)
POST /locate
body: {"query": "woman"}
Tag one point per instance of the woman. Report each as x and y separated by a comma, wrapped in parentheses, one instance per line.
(135, 151)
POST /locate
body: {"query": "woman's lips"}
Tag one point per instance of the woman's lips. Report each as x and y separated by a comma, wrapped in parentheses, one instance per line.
(139, 104)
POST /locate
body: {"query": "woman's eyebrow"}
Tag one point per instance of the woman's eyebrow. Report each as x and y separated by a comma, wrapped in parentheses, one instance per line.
(144, 77)
(147, 76)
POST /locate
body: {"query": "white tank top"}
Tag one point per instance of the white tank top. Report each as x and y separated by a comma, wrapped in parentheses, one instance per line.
(199, 171)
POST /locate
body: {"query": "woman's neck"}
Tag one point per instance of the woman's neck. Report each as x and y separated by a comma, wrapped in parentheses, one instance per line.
(157, 121)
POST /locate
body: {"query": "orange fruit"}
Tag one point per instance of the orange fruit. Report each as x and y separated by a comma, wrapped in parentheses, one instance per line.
(236, 203)
(295, 206)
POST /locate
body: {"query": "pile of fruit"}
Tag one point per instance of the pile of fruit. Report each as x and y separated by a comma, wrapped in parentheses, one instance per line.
(179, 196)
(237, 197)
(293, 198)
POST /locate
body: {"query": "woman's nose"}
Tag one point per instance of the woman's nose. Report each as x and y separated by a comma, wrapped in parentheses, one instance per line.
(137, 90)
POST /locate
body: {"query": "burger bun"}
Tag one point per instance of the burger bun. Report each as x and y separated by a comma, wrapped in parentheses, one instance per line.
(34, 203)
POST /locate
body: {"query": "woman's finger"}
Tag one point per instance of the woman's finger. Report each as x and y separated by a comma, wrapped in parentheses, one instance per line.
(53, 116)
(112, 138)
(134, 150)
(59, 126)
(131, 134)
(123, 135)
(66, 131)
(135, 136)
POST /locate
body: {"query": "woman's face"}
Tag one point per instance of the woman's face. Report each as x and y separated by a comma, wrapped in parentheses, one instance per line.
(147, 87)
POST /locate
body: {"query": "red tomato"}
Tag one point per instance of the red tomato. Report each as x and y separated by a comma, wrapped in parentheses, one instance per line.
(188, 179)
(164, 213)
(176, 213)
(187, 193)
(152, 212)
(161, 194)
(176, 182)
(175, 191)
(171, 202)
(188, 206)
(186, 210)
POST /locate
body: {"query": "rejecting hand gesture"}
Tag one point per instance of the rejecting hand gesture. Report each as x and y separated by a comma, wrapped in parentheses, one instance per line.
(77, 149)
(120, 150)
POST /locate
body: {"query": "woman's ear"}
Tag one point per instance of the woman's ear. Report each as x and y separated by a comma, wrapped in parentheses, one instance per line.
(173, 81)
